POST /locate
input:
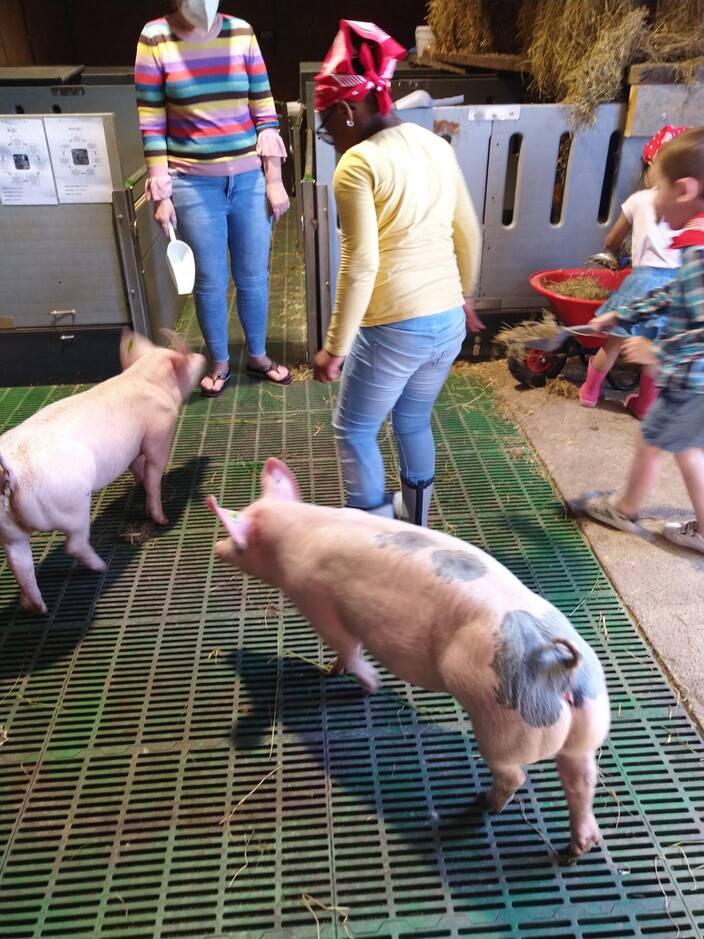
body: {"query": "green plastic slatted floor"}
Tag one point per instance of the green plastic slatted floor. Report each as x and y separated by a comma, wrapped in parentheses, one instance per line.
(175, 764)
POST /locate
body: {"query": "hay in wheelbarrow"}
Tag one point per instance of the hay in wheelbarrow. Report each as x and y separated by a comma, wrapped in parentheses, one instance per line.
(580, 286)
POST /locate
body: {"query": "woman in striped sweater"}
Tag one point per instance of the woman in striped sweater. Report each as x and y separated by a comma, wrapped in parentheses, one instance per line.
(213, 155)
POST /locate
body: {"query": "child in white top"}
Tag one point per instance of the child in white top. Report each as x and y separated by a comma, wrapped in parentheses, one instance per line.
(654, 265)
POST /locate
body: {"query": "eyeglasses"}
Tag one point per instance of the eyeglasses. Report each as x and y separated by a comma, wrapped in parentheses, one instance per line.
(321, 133)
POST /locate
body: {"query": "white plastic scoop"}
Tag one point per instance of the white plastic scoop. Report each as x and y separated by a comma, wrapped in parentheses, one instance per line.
(181, 263)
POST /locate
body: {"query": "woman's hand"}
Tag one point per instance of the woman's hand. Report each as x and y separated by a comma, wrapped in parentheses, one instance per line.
(164, 213)
(638, 350)
(277, 198)
(327, 367)
(474, 324)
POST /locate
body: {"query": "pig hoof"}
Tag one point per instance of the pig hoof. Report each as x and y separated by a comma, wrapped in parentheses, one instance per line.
(578, 848)
(31, 606)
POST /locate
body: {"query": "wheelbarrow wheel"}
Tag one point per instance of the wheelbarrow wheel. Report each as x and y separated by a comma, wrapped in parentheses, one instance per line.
(537, 367)
(622, 377)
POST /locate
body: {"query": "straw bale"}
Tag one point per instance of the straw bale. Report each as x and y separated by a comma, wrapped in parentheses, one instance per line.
(504, 20)
(474, 35)
(460, 26)
(677, 36)
(579, 51)
(442, 19)
(601, 76)
(525, 21)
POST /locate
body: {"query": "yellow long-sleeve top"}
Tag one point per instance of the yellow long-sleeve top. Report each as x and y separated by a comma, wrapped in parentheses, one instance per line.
(411, 241)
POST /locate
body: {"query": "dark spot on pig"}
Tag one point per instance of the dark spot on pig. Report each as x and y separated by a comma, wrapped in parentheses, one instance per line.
(457, 565)
(536, 670)
(409, 541)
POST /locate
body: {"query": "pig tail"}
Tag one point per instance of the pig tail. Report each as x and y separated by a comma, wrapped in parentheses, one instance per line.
(575, 654)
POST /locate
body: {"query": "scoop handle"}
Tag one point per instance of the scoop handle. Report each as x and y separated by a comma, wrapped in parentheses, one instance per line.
(172, 233)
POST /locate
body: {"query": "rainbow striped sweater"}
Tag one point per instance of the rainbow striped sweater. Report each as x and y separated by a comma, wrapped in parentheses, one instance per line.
(202, 104)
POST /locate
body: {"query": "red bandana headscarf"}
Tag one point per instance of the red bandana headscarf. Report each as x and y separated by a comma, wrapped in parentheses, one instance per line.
(338, 81)
(663, 136)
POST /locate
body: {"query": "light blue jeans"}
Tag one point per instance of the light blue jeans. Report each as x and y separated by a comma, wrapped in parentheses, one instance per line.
(217, 214)
(398, 368)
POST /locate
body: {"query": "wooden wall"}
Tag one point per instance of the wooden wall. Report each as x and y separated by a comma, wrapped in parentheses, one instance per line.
(105, 32)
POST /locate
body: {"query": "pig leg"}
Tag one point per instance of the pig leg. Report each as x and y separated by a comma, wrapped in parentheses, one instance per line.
(349, 660)
(505, 781)
(148, 474)
(78, 546)
(578, 774)
(19, 559)
(137, 468)
(156, 455)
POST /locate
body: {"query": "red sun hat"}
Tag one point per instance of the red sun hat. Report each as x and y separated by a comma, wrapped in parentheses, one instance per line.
(663, 136)
(338, 80)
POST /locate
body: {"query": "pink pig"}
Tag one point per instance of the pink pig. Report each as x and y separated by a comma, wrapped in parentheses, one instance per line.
(52, 463)
(441, 614)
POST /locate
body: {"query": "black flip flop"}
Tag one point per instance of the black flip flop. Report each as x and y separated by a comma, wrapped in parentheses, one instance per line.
(261, 372)
(224, 377)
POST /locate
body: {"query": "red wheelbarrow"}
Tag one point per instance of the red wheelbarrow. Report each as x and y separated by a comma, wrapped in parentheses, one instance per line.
(545, 358)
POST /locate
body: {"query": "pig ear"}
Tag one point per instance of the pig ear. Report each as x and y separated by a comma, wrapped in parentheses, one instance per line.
(278, 482)
(237, 526)
(132, 347)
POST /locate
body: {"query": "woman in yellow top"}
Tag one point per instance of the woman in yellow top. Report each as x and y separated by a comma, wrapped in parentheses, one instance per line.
(411, 245)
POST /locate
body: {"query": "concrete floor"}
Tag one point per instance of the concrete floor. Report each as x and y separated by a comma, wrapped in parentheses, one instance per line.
(660, 585)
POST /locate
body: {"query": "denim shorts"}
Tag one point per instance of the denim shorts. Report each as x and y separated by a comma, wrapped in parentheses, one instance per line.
(675, 422)
(639, 283)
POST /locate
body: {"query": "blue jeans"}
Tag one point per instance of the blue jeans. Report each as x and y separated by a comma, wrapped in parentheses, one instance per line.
(216, 214)
(399, 367)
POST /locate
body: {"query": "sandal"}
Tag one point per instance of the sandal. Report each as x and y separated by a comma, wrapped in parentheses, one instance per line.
(603, 509)
(262, 372)
(224, 377)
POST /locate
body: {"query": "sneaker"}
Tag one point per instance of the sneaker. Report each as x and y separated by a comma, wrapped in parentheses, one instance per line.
(603, 509)
(685, 534)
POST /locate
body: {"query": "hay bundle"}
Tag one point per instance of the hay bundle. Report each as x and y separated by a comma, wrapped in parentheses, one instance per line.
(442, 19)
(579, 51)
(678, 35)
(460, 26)
(474, 35)
(524, 24)
(515, 337)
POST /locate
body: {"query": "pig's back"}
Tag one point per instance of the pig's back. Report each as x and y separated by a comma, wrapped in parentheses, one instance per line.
(403, 591)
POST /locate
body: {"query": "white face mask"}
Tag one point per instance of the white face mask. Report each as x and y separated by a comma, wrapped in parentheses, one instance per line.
(199, 13)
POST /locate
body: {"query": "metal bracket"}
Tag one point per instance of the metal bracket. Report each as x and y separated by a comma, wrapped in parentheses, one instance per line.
(57, 314)
(66, 91)
(494, 112)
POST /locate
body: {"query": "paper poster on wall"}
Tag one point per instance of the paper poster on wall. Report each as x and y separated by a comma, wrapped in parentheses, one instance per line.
(79, 155)
(26, 176)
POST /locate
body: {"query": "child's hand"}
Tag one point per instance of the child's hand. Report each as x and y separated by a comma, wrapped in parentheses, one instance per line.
(639, 351)
(606, 319)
